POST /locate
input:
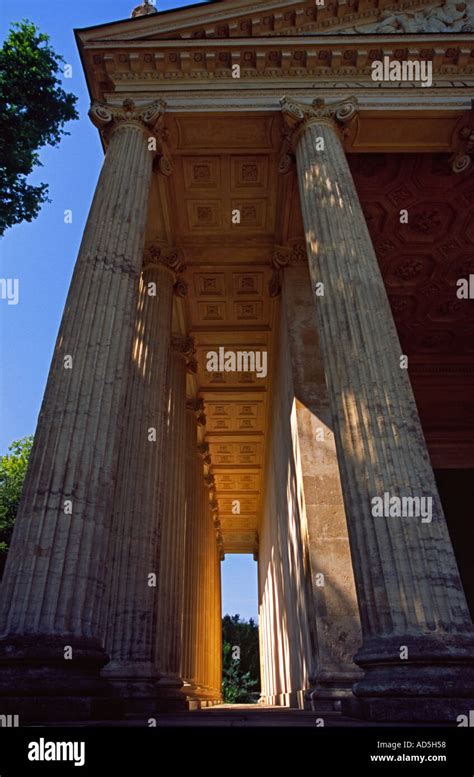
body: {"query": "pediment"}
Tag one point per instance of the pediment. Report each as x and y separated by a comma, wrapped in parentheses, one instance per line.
(251, 18)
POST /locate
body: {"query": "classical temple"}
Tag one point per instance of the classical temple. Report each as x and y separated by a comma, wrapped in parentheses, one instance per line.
(265, 336)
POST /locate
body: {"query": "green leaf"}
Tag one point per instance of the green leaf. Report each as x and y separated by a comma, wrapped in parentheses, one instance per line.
(33, 111)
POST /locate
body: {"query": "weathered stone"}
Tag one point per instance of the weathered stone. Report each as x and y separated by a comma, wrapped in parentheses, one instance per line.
(409, 589)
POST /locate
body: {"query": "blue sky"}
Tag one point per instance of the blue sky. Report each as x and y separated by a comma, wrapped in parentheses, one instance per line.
(41, 255)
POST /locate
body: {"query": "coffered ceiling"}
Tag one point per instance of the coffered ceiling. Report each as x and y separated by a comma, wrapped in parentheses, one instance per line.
(223, 164)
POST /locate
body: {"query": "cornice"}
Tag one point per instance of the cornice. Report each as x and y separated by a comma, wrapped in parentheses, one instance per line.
(211, 63)
(238, 18)
(262, 100)
(332, 41)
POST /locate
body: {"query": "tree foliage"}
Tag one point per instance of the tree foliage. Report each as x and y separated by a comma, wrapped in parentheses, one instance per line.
(33, 111)
(13, 468)
(240, 676)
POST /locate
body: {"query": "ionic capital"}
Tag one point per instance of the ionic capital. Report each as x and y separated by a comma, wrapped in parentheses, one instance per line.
(191, 365)
(148, 118)
(108, 118)
(204, 452)
(464, 143)
(299, 116)
(285, 256)
(210, 480)
(156, 255)
(180, 288)
(184, 346)
(196, 404)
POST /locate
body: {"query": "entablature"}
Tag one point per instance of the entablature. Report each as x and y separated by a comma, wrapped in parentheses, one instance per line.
(258, 64)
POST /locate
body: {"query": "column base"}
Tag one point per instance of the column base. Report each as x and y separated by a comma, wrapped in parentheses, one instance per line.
(131, 688)
(46, 678)
(171, 696)
(137, 688)
(200, 696)
(431, 666)
(407, 710)
(329, 688)
(433, 682)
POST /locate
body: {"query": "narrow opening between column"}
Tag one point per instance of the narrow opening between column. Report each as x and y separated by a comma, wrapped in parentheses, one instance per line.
(240, 646)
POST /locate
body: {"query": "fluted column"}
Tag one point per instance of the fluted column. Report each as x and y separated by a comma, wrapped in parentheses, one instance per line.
(191, 634)
(336, 635)
(417, 649)
(189, 610)
(169, 622)
(219, 625)
(201, 653)
(53, 585)
(139, 497)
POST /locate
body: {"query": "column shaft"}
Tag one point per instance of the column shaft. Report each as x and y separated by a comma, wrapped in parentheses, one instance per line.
(192, 463)
(409, 590)
(169, 624)
(337, 627)
(138, 506)
(53, 585)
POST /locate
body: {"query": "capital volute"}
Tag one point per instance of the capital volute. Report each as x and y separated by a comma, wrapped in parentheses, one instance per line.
(183, 345)
(170, 258)
(180, 288)
(204, 452)
(299, 116)
(109, 118)
(210, 480)
(196, 404)
(285, 256)
(464, 143)
(148, 118)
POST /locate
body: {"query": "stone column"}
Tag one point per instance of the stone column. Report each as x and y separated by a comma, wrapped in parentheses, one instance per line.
(218, 626)
(201, 604)
(139, 497)
(189, 609)
(169, 621)
(53, 586)
(418, 643)
(192, 635)
(336, 633)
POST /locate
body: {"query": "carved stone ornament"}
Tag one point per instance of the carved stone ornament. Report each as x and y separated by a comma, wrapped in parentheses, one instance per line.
(464, 140)
(183, 345)
(196, 404)
(210, 480)
(171, 258)
(143, 9)
(297, 116)
(285, 256)
(191, 365)
(180, 288)
(274, 284)
(450, 16)
(149, 118)
(204, 452)
(108, 118)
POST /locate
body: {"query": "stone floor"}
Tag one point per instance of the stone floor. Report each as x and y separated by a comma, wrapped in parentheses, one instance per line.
(248, 716)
